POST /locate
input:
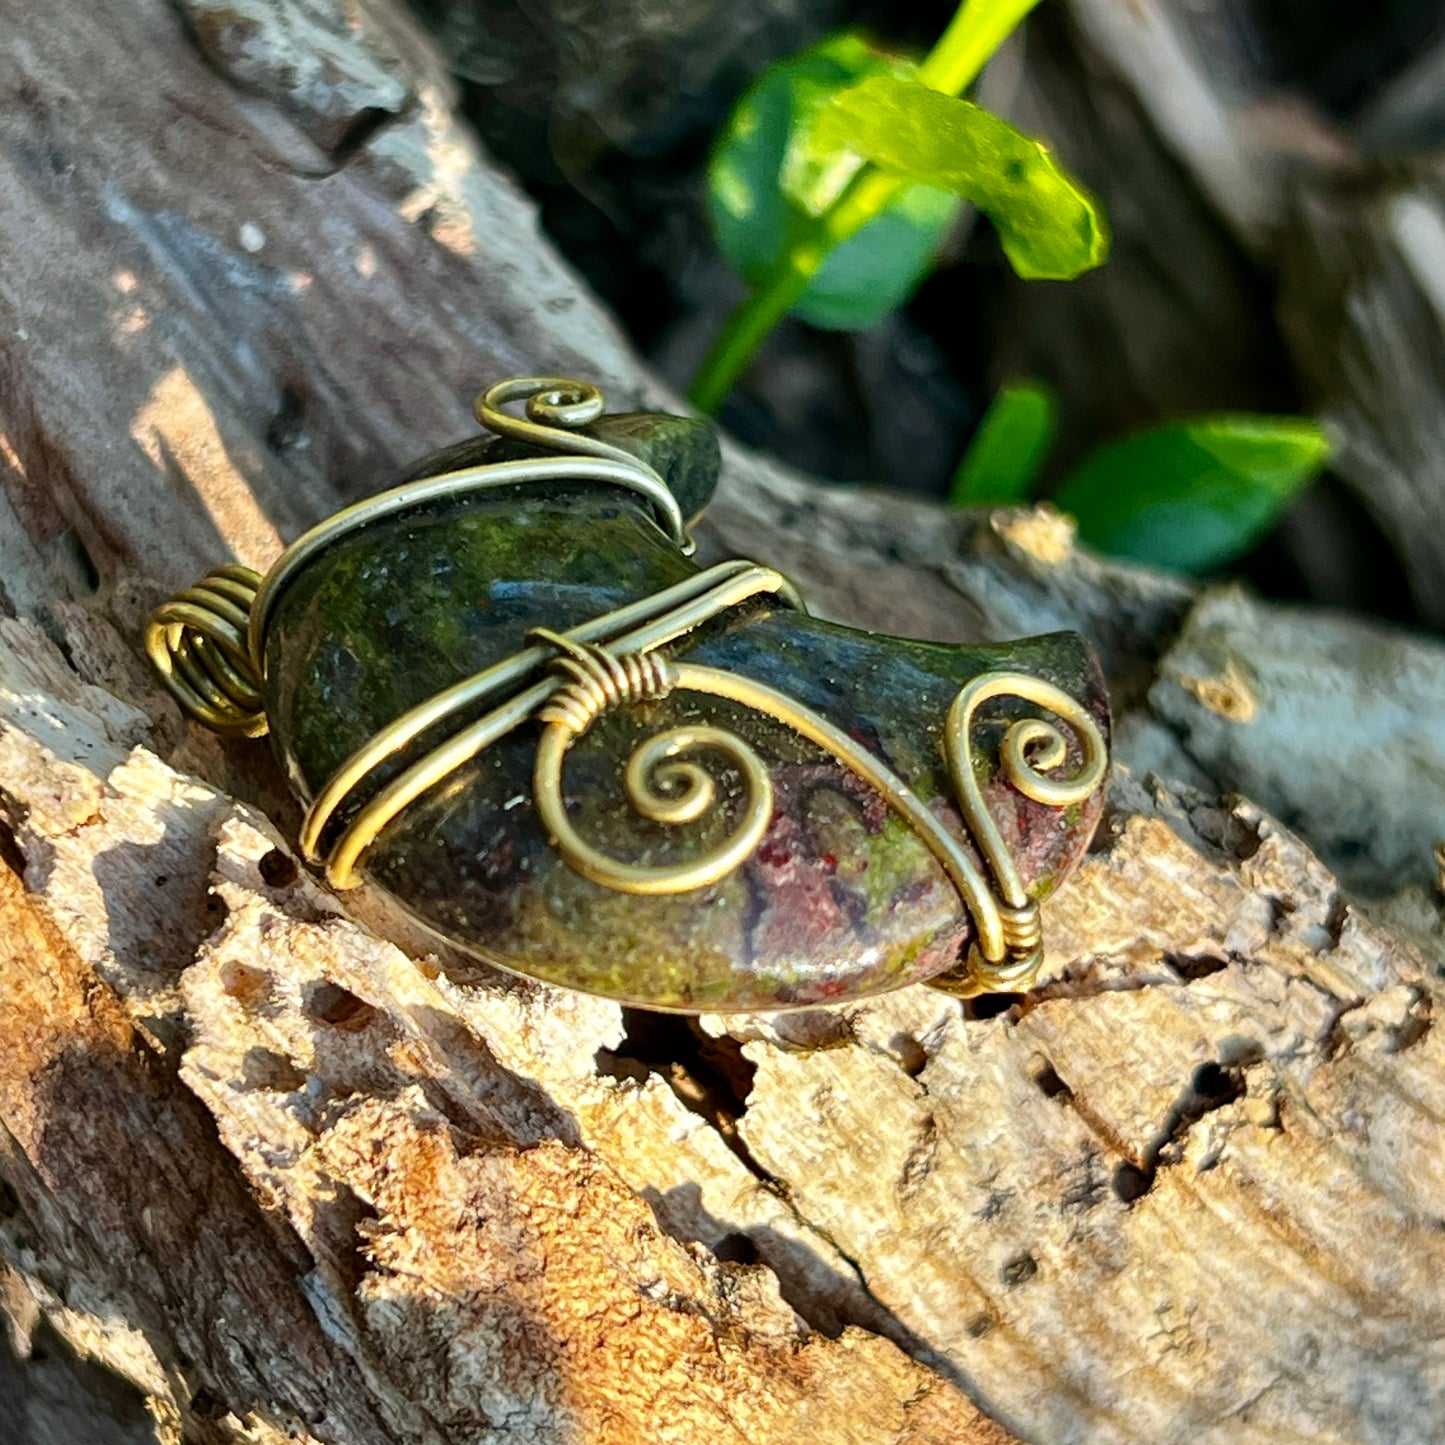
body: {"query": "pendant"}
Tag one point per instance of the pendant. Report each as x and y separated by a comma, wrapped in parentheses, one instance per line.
(507, 697)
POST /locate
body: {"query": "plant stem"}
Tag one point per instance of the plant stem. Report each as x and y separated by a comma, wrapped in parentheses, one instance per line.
(746, 330)
(977, 29)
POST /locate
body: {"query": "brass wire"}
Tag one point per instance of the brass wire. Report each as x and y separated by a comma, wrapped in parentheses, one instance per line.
(198, 642)
(659, 788)
(208, 645)
(633, 476)
(1010, 943)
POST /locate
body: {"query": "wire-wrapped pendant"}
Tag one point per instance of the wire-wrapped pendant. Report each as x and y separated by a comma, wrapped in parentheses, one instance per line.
(508, 698)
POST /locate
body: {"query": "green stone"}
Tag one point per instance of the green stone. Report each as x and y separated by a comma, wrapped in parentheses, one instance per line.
(839, 900)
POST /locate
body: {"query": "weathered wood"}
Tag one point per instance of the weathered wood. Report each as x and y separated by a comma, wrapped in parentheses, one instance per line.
(1362, 304)
(1225, 1054)
(1336, 722)
(287, 1177)
(382, 1229)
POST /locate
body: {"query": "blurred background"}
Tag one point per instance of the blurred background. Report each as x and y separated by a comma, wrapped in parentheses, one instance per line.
(1271, 170)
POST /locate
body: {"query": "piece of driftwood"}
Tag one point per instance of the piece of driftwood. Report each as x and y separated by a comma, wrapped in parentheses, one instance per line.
(1362, 304)
(291, 1182)
(1360, 771)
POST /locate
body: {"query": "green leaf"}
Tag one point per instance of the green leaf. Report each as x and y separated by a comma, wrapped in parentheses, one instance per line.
(1194, 496)
(1008, 449)
(769, 180)
(1051, 228)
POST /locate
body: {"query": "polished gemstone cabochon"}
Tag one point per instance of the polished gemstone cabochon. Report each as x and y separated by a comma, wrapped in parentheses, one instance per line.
(840, 899)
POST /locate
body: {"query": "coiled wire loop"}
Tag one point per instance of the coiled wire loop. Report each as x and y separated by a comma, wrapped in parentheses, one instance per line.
(198, 643)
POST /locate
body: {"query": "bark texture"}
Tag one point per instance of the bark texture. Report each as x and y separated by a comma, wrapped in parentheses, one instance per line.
(290, 1182)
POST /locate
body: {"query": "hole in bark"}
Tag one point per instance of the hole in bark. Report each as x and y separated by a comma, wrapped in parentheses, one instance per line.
(911, 1055)
(1415, 1027)
(726, 1057)
(1131, 1182)
(1339, 915)
(277, 869)
(1192, 968)
(1051, 1086)
(245, 983)
(328, 1003)
(346, 1226)
(207, 1405)
(81, 560)
(990, 1005)
(364, 125)
(284, 427)
(1210, 1087)
(1280, 910)
(736, 1249)
(711, 1077)
(273, 1072)
(11, 854)
(1019, 1270)
(1335, 1040)
(1241, 839)
(1214, 1087)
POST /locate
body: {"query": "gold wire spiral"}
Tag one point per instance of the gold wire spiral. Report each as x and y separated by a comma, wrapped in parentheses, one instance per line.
(199, 644)
(638, 628)
(1008, 946)
(1009, 949)
(550, 403)
(659, 787)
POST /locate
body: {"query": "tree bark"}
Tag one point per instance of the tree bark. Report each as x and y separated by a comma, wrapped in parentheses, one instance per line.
(277, 1170)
